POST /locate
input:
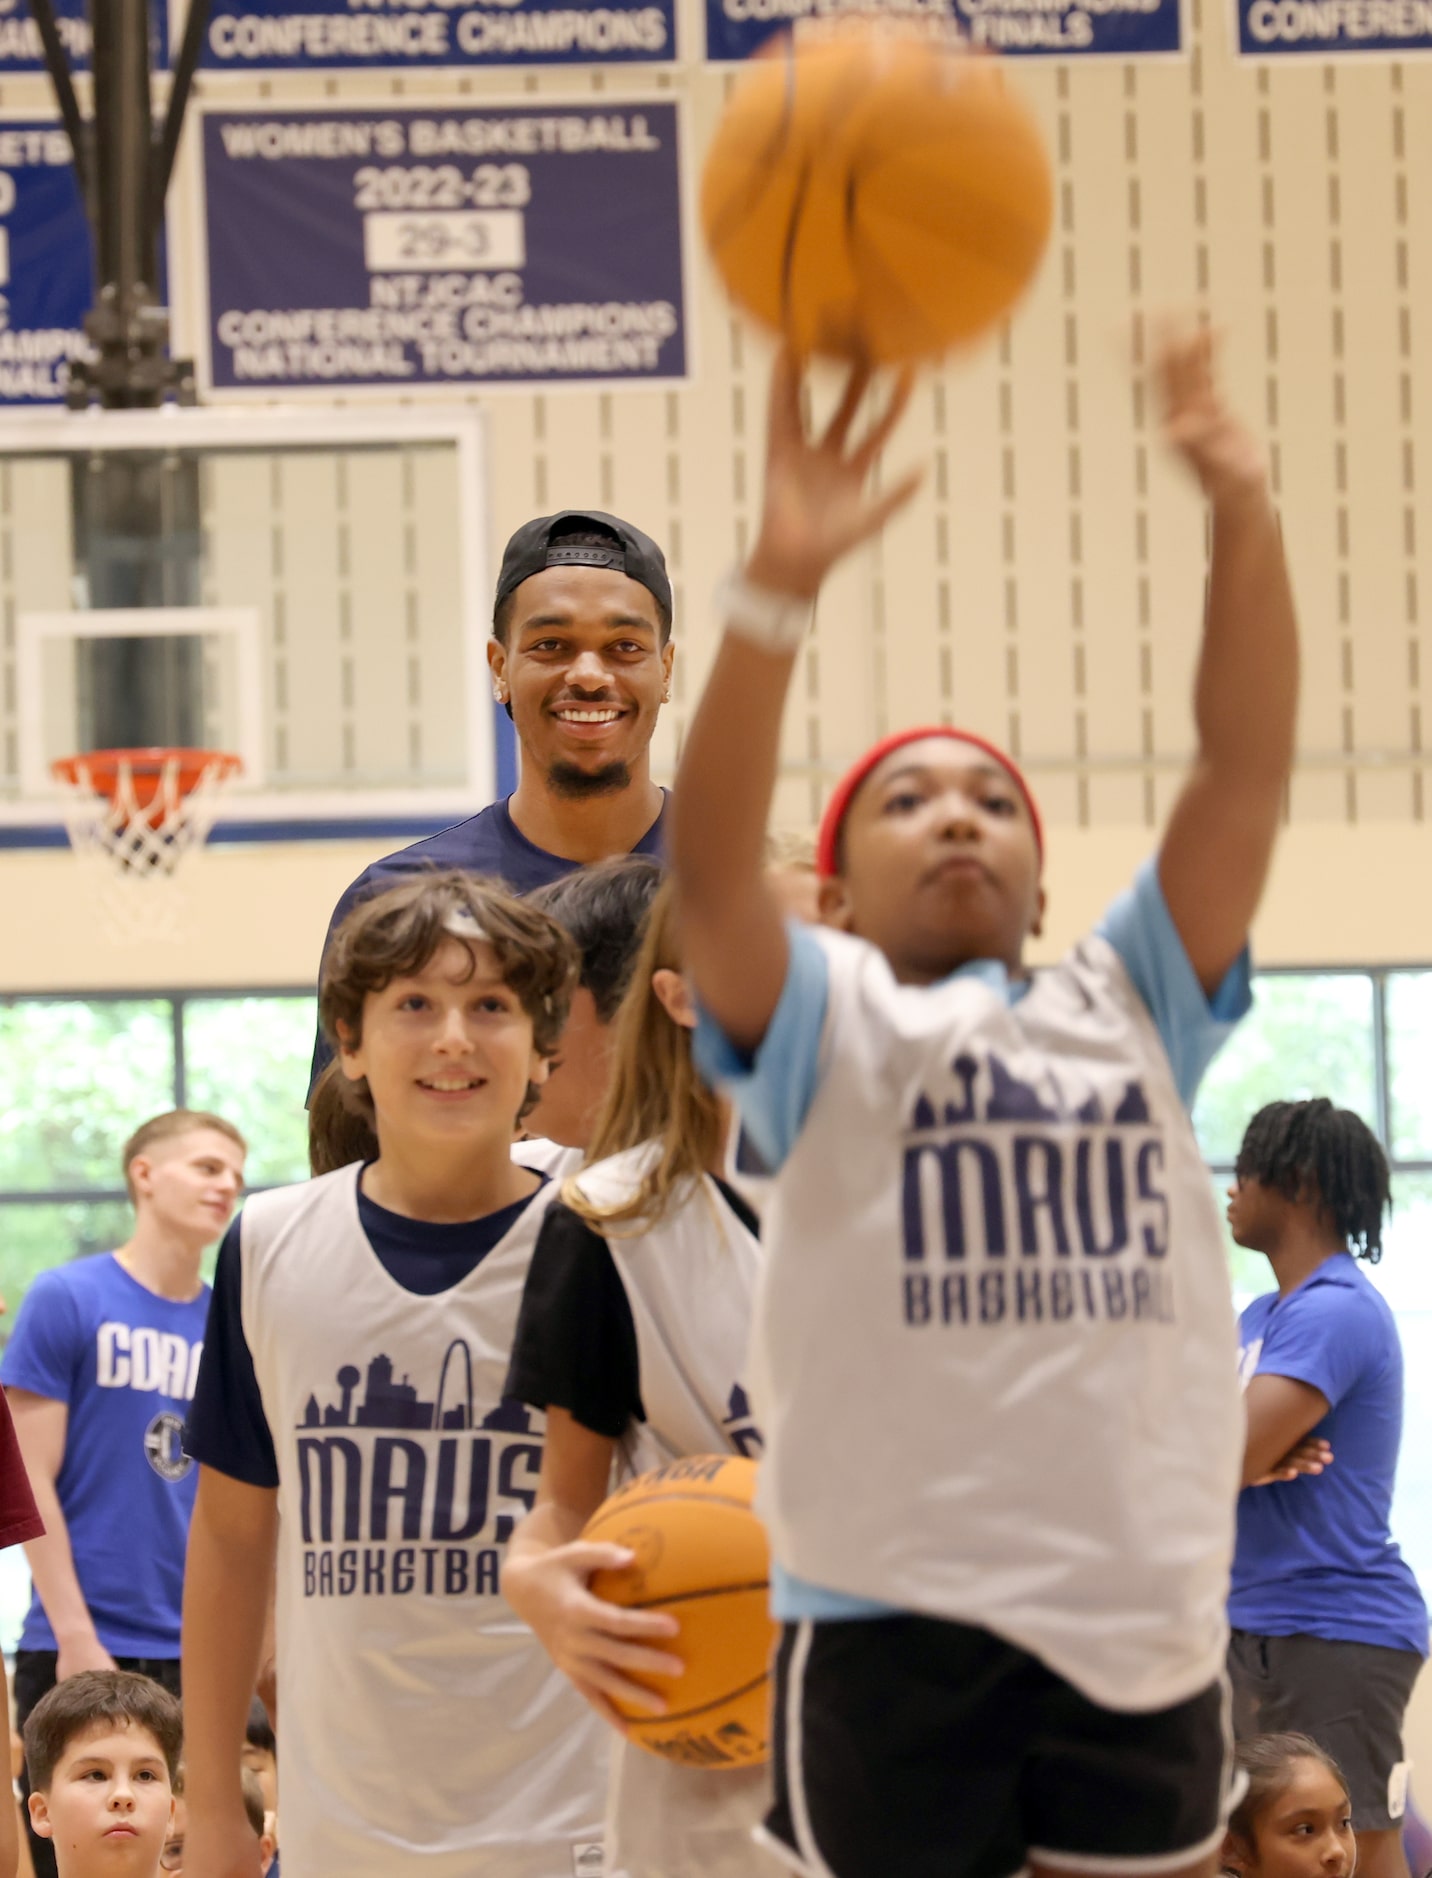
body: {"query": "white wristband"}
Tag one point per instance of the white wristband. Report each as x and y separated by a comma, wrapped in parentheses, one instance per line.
(776, 622)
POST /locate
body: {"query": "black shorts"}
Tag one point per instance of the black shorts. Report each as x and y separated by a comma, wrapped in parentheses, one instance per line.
(1350, 1697)
(906, 1747)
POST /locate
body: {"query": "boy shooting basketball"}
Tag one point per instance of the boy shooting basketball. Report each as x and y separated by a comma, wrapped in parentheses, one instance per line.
(994, 1342)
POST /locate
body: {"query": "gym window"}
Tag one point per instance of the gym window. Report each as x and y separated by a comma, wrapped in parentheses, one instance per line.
(80, 1073)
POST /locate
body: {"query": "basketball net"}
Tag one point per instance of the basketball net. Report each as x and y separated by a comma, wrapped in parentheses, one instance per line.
(133, 818)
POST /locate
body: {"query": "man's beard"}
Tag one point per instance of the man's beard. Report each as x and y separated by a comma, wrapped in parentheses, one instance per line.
(567, 780)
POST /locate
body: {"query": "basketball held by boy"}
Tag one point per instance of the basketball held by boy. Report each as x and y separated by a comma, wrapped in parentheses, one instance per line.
(990, 1215)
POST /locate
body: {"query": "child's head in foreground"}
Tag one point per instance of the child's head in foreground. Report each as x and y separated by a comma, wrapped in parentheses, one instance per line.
(1295, 1817)
(931, 847)
(445, 1000)
(103, 1752)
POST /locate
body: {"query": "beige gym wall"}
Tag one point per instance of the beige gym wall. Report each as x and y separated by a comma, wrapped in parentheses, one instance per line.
(1046, 584)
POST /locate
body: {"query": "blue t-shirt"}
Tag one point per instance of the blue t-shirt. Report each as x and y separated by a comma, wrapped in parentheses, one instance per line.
(774, 1089)
(1315, 1556)
(489, 842)
(124, 1361)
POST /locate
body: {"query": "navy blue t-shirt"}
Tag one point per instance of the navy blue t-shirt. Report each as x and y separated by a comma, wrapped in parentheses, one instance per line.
(1315, 1556)
(123, 1361)
(227, 1427)
(489, 842)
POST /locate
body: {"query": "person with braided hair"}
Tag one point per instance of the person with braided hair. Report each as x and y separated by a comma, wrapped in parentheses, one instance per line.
(1329, 1627)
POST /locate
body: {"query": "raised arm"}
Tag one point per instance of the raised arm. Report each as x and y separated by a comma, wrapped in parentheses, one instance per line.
(1219, 841)
(815, 511)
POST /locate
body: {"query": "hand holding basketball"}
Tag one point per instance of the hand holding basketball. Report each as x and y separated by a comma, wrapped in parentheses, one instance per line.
(694, 1545)
(1199, 425)
(599, 1646)
(816, 507)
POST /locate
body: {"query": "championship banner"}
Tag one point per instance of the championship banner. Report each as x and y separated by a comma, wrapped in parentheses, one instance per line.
(407, 249)
(1280, 29)
(410, 35)
(20, 37)
(45, 266)
(1061, 29)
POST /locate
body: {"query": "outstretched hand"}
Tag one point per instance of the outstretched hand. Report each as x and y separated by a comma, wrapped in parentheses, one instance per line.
(816, 506)
(1198, 424)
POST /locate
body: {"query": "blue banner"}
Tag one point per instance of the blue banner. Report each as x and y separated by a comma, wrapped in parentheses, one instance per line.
(1060, 29)
(20, 37)
(45, 267)
(400, 249)
(1278, 29)
(407, 35)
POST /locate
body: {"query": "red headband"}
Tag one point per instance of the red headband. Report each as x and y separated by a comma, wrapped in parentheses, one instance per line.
(844, 793)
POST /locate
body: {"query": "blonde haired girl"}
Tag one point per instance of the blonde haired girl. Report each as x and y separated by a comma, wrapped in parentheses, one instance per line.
(632, 1337)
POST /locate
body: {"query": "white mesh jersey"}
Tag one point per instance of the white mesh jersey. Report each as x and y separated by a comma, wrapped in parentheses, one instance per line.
(995, 1359)
(690, 1280)
(429, 1732)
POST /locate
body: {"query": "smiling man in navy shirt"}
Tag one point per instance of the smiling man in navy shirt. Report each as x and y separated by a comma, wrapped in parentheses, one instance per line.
(580, 656)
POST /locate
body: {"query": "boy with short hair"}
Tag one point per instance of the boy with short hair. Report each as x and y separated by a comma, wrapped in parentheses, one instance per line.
(993, 1342)
(99, 1371)
(353, 1383)
(103, 1752)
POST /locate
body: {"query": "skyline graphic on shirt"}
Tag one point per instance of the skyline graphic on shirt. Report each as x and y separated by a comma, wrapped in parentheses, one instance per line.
(1006, 1098)
(392, 1401)
(740, 1425)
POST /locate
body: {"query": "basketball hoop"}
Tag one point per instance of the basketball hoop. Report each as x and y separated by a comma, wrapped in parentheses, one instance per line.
(136, 815)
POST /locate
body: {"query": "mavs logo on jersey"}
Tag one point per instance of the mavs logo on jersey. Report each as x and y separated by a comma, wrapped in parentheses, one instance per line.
(1023, 1203)
(425, 1510)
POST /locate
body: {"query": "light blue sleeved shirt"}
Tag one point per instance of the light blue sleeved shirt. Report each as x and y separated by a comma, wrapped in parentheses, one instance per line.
(774, 1088)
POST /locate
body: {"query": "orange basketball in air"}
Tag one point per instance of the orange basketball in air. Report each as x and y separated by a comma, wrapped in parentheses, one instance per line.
(702, 1556)
(871, 193)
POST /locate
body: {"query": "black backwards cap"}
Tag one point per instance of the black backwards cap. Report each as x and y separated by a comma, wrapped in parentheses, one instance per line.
(541, 544)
